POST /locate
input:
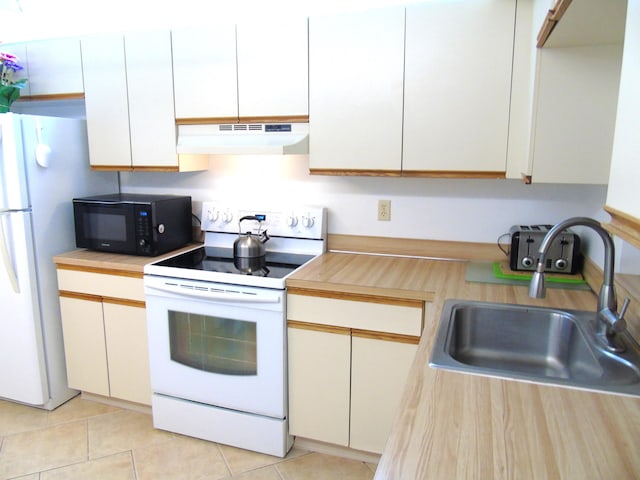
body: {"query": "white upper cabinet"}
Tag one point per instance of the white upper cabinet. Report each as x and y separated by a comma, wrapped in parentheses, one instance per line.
(106, 102)
(243, 72)
(574, 79)
(204, 72)
(622, 197)
(150, 95)
(457, 86)
(574, 114)
(129, 103)
(55, 67)
(356, 92)
(273, 69)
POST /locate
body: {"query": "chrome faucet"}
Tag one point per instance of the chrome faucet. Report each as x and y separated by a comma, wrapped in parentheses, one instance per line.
(609, 323)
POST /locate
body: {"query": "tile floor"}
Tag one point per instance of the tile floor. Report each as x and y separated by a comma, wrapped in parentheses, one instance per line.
(84, 440)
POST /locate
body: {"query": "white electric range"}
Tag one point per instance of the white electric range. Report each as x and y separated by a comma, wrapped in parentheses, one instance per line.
(217, 328)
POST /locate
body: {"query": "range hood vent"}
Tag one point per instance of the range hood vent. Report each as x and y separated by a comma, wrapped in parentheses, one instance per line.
(244, 139)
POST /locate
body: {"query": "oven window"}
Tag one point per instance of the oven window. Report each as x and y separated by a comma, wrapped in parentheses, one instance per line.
(213, 344)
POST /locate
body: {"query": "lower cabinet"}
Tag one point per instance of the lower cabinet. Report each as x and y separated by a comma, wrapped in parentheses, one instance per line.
(105, 337)
(348, 363)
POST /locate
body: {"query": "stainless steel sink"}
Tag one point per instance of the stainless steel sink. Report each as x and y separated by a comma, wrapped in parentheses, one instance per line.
(532, 343)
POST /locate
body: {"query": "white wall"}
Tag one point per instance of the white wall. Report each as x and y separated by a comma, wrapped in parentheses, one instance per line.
(441, 209)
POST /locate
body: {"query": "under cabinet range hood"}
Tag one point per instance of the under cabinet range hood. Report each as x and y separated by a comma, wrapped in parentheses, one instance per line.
(244, 139)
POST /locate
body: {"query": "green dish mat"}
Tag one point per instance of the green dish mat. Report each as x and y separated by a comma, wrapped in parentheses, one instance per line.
(497, 271)
(482, 272)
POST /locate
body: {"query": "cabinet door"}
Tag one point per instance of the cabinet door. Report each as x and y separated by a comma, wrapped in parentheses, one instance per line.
(84, 345)
(356, 91)
(379, 370)
(127, 352)
(273, 68)
(577, 95)
(150, 96)
(622, 195)
(319, 376)
(457, 85)
(55, 66)
(204, 72)
(105, 96)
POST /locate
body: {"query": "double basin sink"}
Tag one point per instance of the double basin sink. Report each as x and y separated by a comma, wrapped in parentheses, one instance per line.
(536, 344)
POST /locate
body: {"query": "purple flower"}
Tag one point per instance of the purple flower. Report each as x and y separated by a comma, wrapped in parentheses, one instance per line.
(12, 65)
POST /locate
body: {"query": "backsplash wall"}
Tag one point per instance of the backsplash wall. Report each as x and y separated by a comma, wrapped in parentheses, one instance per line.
(436, 209)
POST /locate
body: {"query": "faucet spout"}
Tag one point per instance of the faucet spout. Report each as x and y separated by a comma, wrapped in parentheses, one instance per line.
(609, 322)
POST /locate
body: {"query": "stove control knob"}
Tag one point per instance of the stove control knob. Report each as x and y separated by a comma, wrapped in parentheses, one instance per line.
(307, 221)
(227, 217)
(292, 220)
(214, 215)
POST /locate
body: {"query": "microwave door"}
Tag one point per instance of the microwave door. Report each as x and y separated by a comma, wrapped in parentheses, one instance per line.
(105, 227)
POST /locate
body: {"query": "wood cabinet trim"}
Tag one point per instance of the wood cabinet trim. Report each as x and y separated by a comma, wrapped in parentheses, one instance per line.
(454, 174)
(318, 328)
(124, 301)
(354, 173)
(553, 17)
(244, 119)
(101, 299)
(355, 332)
(356, 297)
(103, 271)
(112, 168)
(80, 296)
(53, 96)
(388, 337)
(623, 225)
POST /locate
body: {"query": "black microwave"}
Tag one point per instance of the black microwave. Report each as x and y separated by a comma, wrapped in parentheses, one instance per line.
(134, 224)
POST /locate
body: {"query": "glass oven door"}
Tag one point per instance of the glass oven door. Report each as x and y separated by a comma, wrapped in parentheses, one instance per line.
(217, 344)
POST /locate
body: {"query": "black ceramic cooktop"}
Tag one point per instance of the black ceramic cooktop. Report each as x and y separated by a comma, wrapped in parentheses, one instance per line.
(218, 259)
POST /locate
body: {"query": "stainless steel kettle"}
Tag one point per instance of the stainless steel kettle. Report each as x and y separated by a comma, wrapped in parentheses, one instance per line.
(250, 245)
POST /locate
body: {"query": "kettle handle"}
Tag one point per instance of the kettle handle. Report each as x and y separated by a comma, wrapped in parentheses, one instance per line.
(250, 217)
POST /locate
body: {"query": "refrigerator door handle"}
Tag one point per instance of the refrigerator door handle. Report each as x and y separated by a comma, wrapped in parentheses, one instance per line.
(6, 259)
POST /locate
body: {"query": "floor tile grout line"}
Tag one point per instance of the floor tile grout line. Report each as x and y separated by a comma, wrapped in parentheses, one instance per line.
(134, 465)
(66, 465)
(224, 459)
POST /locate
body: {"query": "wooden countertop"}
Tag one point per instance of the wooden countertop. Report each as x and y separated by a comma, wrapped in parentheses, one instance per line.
(453, 425)
(372, 275)
(112, 262)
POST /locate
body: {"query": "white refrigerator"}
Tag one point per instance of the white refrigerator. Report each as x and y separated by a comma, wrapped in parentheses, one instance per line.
(44, 163)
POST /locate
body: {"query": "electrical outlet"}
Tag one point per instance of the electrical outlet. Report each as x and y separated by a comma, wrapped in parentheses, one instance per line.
(384, 210)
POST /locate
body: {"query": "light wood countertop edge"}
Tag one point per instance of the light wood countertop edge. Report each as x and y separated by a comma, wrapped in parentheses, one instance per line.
(111, 263)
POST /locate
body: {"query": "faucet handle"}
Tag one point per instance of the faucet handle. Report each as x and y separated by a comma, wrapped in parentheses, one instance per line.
(620, 324)
(625, 306)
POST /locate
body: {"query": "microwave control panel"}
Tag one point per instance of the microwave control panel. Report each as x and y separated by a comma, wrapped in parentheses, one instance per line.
(144, 229)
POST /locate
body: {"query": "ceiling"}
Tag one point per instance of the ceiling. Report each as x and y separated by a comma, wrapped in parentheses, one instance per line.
(24, 20)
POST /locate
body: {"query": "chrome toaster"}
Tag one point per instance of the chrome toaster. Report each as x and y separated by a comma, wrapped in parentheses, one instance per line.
(563, 255)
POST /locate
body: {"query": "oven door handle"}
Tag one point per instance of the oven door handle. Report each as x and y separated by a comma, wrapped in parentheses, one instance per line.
(217, 294)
